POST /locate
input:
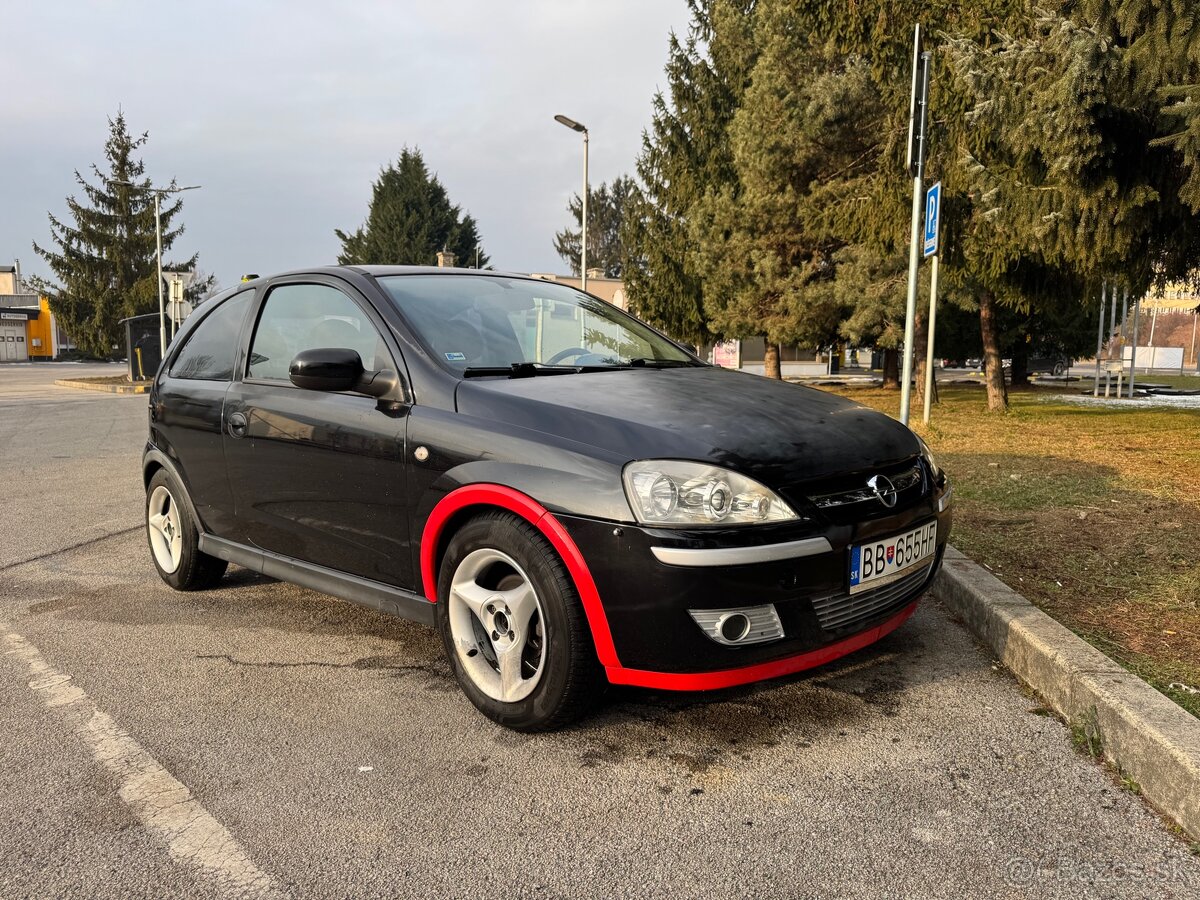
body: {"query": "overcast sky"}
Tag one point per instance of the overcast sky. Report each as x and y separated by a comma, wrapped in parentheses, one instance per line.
(286, 111)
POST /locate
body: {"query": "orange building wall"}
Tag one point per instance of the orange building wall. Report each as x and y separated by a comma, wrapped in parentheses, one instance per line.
(39, 329)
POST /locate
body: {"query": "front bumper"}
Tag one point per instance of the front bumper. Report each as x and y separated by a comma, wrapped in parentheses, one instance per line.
(646, 594)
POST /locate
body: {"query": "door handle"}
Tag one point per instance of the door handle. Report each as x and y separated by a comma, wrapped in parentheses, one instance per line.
(237, 424)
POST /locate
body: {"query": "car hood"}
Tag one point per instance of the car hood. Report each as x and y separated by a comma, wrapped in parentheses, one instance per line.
(775, 432)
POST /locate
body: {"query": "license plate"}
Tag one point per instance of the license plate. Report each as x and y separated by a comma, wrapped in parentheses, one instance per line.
(876, 563)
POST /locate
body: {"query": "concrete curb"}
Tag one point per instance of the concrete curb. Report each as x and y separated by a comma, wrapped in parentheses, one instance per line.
(131, 388)
(1144, 735)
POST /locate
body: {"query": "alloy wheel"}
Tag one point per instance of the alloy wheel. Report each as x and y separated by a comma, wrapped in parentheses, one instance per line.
(497, 625)
(165, 527)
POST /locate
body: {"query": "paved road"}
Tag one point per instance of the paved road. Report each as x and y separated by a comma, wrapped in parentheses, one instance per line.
(263, 740)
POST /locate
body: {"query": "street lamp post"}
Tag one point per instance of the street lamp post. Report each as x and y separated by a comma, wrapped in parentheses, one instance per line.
(575, 126)
(162, 323)
(158, 194)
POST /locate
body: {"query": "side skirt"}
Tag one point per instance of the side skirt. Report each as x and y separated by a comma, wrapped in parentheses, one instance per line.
(363, 591)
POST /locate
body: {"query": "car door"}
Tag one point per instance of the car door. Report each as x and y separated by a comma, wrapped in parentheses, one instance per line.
(317, 476)
(186, 408)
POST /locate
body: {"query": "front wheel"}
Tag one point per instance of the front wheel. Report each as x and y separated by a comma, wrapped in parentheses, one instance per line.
(174, 538)
(513, 626)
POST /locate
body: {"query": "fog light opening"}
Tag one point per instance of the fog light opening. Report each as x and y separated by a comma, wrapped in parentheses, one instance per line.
(734, 627)
(739, 626)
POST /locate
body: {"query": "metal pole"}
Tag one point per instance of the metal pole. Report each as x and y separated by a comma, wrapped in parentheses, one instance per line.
(933, 278)
(583, 217)
(1100, 337)
(1112, 324)
(1153, 322)
(162, 320)
(914, 250)
(1195, 316)
(176, 306)
(1137, 309)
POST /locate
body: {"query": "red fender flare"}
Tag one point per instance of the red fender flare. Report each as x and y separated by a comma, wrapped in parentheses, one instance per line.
(534, 513)
(496, 495)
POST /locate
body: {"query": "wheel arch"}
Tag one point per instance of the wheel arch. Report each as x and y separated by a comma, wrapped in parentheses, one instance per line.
(148, 469)
(155, 461)
(461, 504)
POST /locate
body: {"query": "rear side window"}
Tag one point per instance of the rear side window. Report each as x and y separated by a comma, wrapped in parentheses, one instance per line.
(300, 317)
(209, 352)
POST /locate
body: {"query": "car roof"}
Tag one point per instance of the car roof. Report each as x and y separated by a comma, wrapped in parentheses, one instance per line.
(377, 271)
(373, 271)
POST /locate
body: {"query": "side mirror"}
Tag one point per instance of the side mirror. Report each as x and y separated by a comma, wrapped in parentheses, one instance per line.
(326, 369)
(341, 369)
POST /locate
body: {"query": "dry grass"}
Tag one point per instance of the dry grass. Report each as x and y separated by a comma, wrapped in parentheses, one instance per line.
(1091, 513)
(103, 379)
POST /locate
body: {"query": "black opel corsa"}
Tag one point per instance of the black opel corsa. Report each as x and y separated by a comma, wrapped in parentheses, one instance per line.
(567, 495)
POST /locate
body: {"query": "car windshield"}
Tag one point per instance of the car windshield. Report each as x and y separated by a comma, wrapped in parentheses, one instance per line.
(476, 323)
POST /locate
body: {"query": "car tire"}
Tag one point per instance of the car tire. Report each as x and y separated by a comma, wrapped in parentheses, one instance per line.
(174, 537)
(1059, 368)
(513, 626)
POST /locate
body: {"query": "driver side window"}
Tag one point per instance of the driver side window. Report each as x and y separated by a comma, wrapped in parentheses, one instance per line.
(298, 317)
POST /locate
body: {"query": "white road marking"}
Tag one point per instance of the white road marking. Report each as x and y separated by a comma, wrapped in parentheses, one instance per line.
(160, 801)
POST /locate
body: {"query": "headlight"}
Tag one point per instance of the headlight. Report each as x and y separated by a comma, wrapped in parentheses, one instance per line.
(674, 492)
(930, 459)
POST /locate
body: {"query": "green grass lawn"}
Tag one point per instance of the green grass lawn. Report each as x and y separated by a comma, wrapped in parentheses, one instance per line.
(1091, 513)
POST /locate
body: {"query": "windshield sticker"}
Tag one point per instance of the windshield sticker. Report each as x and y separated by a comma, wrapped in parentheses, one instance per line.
(456, 357)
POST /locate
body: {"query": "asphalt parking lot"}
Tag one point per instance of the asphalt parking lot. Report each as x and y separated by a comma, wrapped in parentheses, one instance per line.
(330, 753)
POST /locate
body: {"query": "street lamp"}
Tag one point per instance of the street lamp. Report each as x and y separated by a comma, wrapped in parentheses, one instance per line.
(575, 126)
(158, 194)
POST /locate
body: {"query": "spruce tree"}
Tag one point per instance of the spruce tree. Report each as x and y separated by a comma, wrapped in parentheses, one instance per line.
(685, 152)
(1160, 44)
(802, 142)
(1079, 173)
(105, 265)
(873, 221)
(410, 219)
(607, 206)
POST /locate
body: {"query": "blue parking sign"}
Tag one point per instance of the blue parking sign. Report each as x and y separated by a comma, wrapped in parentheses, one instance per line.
(933, 215)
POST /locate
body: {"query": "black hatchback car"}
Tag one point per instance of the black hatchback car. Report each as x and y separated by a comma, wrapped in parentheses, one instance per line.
(568, 496)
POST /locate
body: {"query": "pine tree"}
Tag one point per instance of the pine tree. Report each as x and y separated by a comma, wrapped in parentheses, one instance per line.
(411, 218)
(802, 141)
(1078, 171)
(685, 152)
(874, 224)
(105, 264)
(607, 207)
(1160, 45)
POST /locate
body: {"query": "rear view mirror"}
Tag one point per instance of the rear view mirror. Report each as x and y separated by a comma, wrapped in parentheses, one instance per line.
(341, 369)
(326, 369)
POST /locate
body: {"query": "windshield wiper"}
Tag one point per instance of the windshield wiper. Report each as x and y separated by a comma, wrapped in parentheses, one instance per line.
(533, 369)
(649, 362)
(522, 370)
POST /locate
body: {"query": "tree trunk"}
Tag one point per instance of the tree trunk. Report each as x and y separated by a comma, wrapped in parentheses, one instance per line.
(1020, 367)
(771, 362)
(993, 366)
(891, 370)
(920, 347)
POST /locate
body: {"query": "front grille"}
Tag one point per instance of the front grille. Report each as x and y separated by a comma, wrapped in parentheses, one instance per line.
(841, 610)
(847, 499)
(902, 481)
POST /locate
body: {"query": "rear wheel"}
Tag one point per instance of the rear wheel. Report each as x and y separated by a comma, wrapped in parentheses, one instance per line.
(513, 626)
(174, 538)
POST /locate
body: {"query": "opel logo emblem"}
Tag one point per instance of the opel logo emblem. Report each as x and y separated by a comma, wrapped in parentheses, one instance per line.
(884, 489)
